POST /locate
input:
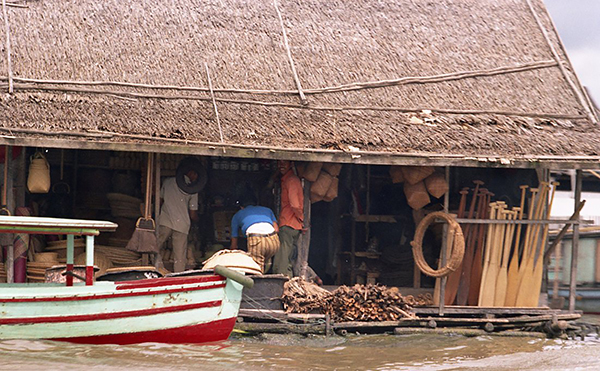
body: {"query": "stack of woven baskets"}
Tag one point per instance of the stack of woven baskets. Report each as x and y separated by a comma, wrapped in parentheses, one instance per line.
(60, 248)
(120, 257)
(36, 270)
(125, 206)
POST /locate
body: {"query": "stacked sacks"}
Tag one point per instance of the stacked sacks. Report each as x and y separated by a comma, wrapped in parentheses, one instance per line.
(420, 182)
(324, 179)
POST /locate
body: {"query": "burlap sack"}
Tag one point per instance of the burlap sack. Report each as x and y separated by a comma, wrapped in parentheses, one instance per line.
(396, 174)
(332, 192)
(312, 170)
(436, 185)
(415, 174)
(320, 186)
(38, 180)
(332, 169)
(416, 195)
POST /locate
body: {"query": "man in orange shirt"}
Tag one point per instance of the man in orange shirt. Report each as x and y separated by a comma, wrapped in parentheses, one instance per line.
(291, 218)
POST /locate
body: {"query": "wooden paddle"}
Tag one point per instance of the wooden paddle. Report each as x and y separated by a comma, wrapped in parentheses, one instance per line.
(455, 280)
(486, 294)
(512, 285)
(477, 270)
(461, 212)
(525, 287)
(502, 279)
(467, 266)
(525, 248)
(538, 270)
(495, 256)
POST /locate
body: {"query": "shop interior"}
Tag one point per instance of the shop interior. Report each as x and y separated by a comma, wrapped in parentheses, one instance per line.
(359, 233)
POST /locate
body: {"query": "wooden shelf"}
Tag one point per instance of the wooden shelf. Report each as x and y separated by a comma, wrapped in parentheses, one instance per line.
(375, 218)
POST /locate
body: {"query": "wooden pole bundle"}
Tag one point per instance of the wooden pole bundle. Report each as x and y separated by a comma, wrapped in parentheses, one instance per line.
(369, 303)
(461, 213)
(477, 270)
(502, 278)
(538, 270)
(526, 293)
(485, 299)
(512, 285)
(471, 232)
(456, 278)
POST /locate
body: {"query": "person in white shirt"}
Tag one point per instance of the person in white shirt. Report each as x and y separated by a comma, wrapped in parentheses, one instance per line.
(178, 209)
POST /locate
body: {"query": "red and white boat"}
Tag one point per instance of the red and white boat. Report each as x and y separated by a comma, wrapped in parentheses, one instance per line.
(186, 309)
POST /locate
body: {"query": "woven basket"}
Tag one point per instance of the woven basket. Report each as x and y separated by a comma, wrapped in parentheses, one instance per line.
(44, 257)
(234, 259)
(321, 185)
(415, 174)
(396, 174)
(311, 171)
(416, 195)
(436, 185)
(332, 192)
(100, 260)
(332, 169)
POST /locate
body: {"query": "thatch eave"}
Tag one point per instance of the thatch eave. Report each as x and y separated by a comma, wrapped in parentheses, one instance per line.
(403, 79)
(303, 154)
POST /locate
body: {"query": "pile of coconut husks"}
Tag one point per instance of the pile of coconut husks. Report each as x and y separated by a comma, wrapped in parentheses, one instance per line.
(367, 303)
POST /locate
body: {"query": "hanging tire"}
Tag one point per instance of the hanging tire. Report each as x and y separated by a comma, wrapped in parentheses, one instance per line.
(187, 164)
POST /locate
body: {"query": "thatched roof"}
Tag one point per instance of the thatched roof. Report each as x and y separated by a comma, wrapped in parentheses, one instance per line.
(326, 76)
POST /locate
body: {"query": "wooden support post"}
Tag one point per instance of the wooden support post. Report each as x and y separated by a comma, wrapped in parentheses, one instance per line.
(444, 248)
(304, 239)
(157, 189)
(557, 270)
(89, 260)
(597, 265)
(575, 247)
(70, 258)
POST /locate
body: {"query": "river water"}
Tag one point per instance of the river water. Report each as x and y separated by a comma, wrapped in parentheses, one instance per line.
(294, 352)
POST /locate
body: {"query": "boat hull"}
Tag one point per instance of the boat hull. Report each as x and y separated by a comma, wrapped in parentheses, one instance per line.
(167, 310)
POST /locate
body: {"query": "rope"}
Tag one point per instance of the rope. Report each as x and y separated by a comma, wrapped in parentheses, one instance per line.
(458, 246)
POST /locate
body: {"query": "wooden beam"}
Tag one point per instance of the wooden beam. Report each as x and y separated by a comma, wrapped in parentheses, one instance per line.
(162, 145)
(575, 246)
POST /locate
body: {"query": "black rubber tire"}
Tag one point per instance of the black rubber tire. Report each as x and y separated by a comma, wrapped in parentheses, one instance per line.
(187, 164)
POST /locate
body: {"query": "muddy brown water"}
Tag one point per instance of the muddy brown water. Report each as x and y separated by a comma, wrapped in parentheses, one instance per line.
(292, 352)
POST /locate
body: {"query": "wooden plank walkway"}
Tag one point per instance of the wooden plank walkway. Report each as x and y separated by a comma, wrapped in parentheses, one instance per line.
(490, 320)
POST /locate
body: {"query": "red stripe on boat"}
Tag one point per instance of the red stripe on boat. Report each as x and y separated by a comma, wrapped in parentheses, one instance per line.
(69, 277)
(195, 334)
(89, 275)
(109, 296)
(153, 282)
(111, 315)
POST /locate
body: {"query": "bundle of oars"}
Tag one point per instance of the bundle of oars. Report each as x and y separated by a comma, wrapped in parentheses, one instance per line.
(512, 273)
(462, 286)
(357, 303)
(527, 273)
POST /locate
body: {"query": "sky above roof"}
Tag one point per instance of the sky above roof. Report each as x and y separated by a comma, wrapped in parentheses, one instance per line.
(578, 23)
